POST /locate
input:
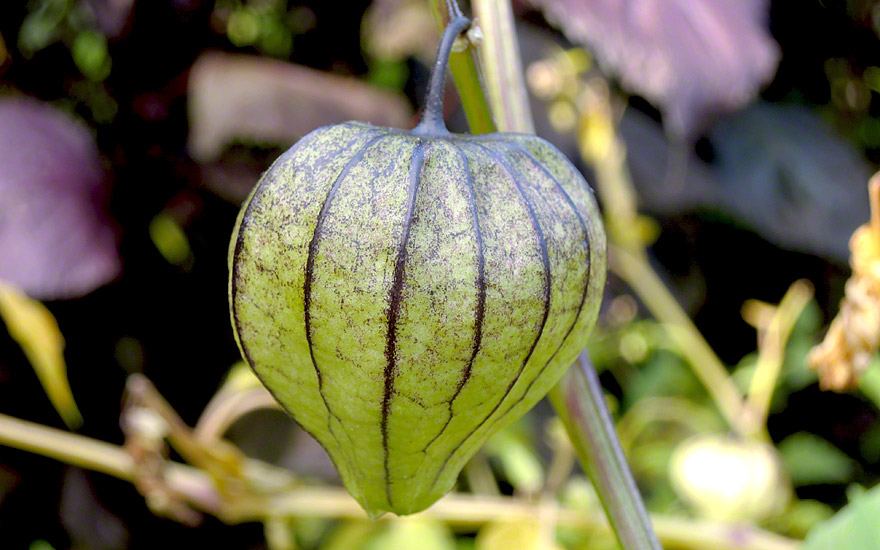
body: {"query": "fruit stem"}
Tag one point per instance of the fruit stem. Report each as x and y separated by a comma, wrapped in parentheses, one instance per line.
(431, 121)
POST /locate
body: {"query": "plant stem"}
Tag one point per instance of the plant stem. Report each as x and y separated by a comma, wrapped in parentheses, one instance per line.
(582, 408)
(564, 457)
(499, 52)
(635, 270)
(580, 403)
(323, 502)
(217, 457)
(771, 352)
(432, 122)
(66, 447)
(464, 71)
(480, 477)
(226, 407)
(604, 149)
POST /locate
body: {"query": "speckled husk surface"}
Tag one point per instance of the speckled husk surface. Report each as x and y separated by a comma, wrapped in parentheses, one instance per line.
(404, 297)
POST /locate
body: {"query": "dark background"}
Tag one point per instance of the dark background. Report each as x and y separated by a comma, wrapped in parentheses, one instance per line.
(174, 321)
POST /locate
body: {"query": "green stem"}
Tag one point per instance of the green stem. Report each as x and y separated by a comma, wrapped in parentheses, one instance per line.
(580, 403)
(771, 353)
(499, 52)
(582, 408)
(628, 259)
(480, 477)
(464, 71)
(633, 268)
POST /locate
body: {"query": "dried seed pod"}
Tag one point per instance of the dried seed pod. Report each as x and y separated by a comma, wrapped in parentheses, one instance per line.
(404, 295)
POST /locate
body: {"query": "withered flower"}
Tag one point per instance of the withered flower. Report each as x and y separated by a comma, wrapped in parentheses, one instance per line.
(854, 335)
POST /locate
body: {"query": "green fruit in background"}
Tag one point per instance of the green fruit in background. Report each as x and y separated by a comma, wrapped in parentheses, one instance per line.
(405, 295)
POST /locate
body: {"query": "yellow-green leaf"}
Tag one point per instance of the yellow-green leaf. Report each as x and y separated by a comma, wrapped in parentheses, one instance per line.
(350, 535)
(240, 377)
(407, 533)
(36, 331)
(527, 534)
(170, 239)
(517, 458)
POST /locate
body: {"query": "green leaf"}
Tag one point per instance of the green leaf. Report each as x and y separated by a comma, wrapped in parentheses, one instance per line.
(870, 382)
(89, 51)
(243, 28)
(34, 328)
(309, 531)
(350, 535)
(809, 322)
(388, 73)
(811, 460)
(275, 38)
(855, 527)
(37, 31)
(514, 452)
(665, 374)
(802, 516)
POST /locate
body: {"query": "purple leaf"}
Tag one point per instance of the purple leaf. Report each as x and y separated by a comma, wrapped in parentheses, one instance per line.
(691, 58)
(110, 15)
(778, 169)
(56, 240)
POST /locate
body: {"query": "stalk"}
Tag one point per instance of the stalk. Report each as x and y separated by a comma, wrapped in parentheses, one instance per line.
(504, 81)
(199, 490)
(465, 73)
(431, 122)
(580, 403)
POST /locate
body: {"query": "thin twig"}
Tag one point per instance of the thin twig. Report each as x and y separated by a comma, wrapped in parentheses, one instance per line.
(226, 407)
(564, 458)
(635, 270)
(771, 352)
(218, 457)
(200, 490)
(480, 477)
(627, 257)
